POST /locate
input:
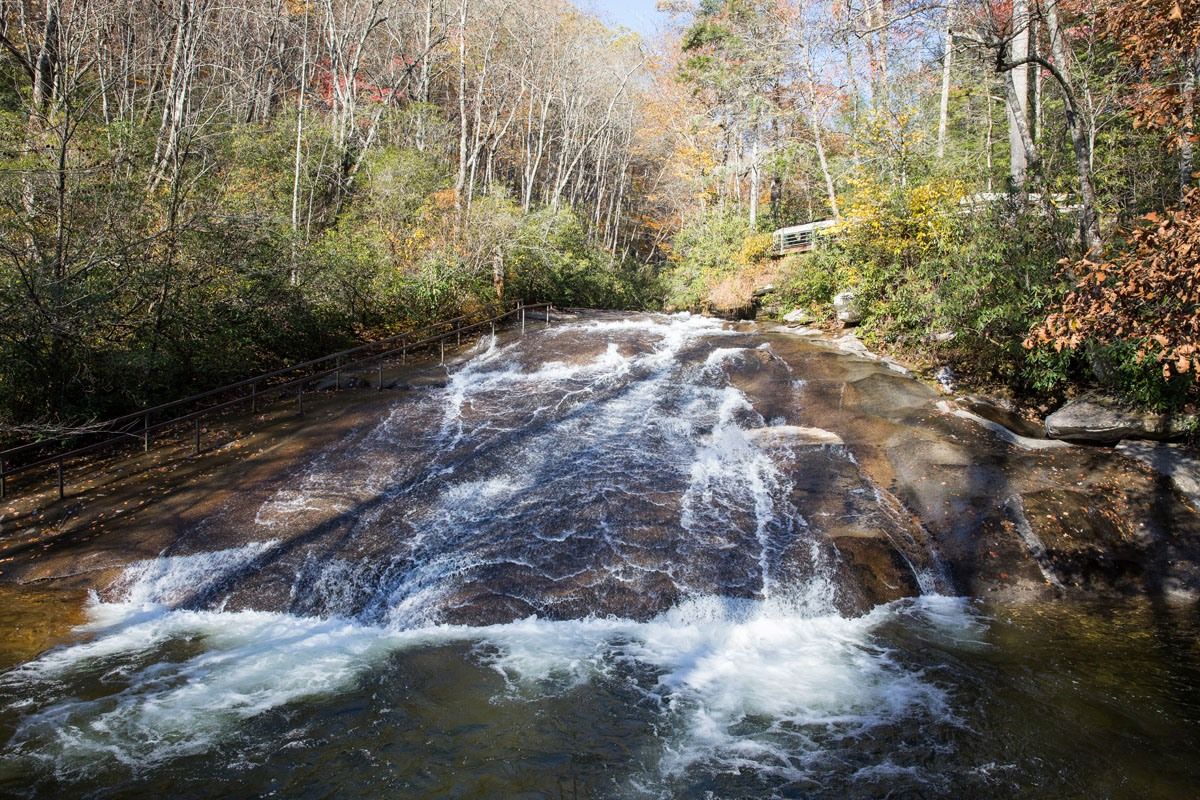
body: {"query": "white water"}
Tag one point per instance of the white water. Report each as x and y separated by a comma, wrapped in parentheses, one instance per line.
(720, 662)
(766, 682)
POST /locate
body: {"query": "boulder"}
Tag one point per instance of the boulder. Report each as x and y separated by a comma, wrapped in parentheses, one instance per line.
(1102, 420)
(763, 291)
(798, 316)
(846, 306)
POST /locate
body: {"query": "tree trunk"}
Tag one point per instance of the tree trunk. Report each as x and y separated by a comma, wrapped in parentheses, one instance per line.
(423, 84)
(1019, 138)
(292, 275)
(755, 187)
(45, 68)
(498, 275)
(1187, 158)
(819, 142)
(460, 180)
(943, 112)
(1090, 223)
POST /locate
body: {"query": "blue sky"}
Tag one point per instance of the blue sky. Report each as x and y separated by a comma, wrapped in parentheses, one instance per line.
(639, 15)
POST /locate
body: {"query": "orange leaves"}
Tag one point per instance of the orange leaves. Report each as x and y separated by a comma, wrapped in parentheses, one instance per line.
(1154, 300)
(1160, 39)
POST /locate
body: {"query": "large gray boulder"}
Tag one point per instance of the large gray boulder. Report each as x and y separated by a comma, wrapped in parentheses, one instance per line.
(1102, 420)
(847, 308)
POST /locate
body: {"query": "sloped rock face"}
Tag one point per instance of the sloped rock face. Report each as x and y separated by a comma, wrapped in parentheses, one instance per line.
(1101, 420)
(622, 464)
(1174, 461)
(1005, 414)
(1005, 515)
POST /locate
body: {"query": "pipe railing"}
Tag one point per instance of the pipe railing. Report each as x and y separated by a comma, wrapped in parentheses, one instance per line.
(139, 425)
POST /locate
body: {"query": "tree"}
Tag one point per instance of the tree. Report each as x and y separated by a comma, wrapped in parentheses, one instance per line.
(1149, 295)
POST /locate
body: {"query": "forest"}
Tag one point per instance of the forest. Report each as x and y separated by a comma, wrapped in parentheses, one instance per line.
(192, 191)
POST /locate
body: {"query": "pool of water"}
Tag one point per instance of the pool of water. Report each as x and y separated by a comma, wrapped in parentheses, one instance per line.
(932, 697)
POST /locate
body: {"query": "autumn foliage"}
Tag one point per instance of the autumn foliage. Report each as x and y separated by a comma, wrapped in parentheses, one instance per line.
(1160, 39)
(1149, 295)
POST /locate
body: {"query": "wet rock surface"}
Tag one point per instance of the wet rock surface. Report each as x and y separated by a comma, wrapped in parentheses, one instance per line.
(616, 465)
(667, 548)
(1179, 463)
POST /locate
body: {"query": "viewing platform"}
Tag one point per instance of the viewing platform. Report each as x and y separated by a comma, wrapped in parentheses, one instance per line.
(799, 238)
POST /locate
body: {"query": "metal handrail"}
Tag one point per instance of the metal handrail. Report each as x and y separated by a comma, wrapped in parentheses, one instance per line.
(116, 434)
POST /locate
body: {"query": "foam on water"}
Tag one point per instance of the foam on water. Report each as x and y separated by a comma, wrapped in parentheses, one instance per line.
(740, 683)
(515, 442)
(548, 472)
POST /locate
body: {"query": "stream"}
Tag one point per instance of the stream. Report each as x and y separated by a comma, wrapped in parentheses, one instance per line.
(627, 556)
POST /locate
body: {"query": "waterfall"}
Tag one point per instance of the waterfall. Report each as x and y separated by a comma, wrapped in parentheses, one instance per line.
(596, 500)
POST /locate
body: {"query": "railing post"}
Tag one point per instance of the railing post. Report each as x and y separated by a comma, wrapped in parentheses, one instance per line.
(254, 398)
(62, 491)
(338, 374)
(547, 316)
(3, 480)
(197, 433)
(146, 432)
(300, 399)
(522, 319)
(380, 375)
(443, 344)
(458, 333)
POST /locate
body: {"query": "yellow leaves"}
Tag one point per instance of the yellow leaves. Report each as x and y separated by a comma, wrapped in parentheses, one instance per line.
(1176, 13)
(755, 249)
(899, 220)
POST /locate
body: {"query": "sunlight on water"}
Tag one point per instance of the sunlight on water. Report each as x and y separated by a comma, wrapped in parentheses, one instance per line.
(584, 546)
(718, 664)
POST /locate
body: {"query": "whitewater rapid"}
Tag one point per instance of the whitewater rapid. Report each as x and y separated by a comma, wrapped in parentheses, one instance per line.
(805, 681)
(621, 514)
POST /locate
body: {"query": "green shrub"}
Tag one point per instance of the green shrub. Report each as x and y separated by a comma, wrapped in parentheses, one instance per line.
(710, 249)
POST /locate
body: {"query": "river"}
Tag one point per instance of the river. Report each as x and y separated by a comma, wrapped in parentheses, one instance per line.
(645, 556)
